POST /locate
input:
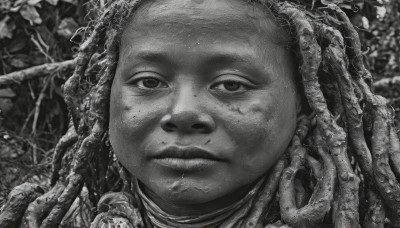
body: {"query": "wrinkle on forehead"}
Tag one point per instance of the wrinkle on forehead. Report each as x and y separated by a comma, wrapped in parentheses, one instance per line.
(202, 14)
(214, 8)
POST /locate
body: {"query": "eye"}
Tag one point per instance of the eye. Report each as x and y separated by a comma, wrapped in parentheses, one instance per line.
(231, 85)
(149, 83)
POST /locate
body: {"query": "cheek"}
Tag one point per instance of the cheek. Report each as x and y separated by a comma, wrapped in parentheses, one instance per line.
(123, 117)
(264, 129)
(129, 124)
(132, 116)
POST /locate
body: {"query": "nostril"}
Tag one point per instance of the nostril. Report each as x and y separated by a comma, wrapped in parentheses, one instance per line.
(170, 126)
(198, 126)
(188, 122)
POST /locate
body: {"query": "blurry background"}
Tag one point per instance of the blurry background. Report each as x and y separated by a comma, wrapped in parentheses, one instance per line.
(46, 33)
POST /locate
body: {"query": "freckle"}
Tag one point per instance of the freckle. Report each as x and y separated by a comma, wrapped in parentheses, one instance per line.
(163, 142)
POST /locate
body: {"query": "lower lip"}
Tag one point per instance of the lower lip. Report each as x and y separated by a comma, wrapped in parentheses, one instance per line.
(186, 164)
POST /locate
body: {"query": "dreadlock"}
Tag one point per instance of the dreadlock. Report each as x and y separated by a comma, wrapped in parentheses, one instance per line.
(344, 155)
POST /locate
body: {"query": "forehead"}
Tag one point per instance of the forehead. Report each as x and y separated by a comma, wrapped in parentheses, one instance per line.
(208, 16)
(158, 10)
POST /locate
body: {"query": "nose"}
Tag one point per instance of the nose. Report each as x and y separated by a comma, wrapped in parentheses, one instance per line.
(187, 116)
(188, 122)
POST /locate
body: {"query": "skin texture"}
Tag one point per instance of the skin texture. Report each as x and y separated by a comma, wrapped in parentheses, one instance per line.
(87, 160)
(222, 82)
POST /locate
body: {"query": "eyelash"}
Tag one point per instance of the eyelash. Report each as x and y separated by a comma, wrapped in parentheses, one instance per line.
(141, 81)
(158, 82)
(243, 85)
(240, 86)
(220, 86)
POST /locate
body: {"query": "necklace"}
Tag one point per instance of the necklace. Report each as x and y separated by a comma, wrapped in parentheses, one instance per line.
(161, 219)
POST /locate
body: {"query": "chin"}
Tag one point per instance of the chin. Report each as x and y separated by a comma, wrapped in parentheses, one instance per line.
(188, 191)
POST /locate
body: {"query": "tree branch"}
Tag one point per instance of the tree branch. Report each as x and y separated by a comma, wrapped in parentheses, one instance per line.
(386, 82)
(36, 71)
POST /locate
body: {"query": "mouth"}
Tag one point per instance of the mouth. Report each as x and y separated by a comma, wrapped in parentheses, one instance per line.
(188, 158)
(186, 153)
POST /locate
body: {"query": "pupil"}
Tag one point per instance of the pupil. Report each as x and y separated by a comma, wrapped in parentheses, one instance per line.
(150, 83)
(231, 85)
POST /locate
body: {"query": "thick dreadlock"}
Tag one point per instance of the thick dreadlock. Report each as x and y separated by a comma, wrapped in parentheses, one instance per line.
(348, 136)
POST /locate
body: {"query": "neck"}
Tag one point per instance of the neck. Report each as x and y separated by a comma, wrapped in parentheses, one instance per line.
(197, 209)
(165, 214)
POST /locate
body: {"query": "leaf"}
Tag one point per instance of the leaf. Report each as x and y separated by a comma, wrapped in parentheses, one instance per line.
(6, 29)
(52, 2)
(73, 2)
(20, 60)
(7, 93)
(5, 105)
(18, 63)
(6, 5)
(67, 27)
(326, 2)
(19, 2)
(29, 13)
(17, 44)
(33, 2)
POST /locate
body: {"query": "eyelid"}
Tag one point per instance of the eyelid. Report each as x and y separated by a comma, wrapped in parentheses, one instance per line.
(145, 74)
(233, 77)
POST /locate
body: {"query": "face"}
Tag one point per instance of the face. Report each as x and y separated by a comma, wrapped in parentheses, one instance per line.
(204, 101)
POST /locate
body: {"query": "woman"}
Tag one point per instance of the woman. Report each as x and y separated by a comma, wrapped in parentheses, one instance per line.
(200, 107)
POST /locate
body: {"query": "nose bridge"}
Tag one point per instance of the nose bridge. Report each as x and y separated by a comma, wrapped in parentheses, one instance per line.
(185, 100)
(186, 112)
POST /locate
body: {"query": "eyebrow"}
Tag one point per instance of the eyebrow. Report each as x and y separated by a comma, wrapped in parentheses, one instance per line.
(246, 61)
(220, 58)
(226, 58)
(151, 56)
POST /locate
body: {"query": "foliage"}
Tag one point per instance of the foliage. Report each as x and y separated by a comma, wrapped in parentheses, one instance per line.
(34, 32)
(34, 116)
(382, 46)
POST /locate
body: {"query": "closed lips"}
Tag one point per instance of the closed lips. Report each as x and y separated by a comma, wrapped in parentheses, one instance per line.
(186, 153)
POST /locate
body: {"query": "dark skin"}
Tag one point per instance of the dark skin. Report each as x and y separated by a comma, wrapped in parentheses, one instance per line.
(157, 132)
(203, 102)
